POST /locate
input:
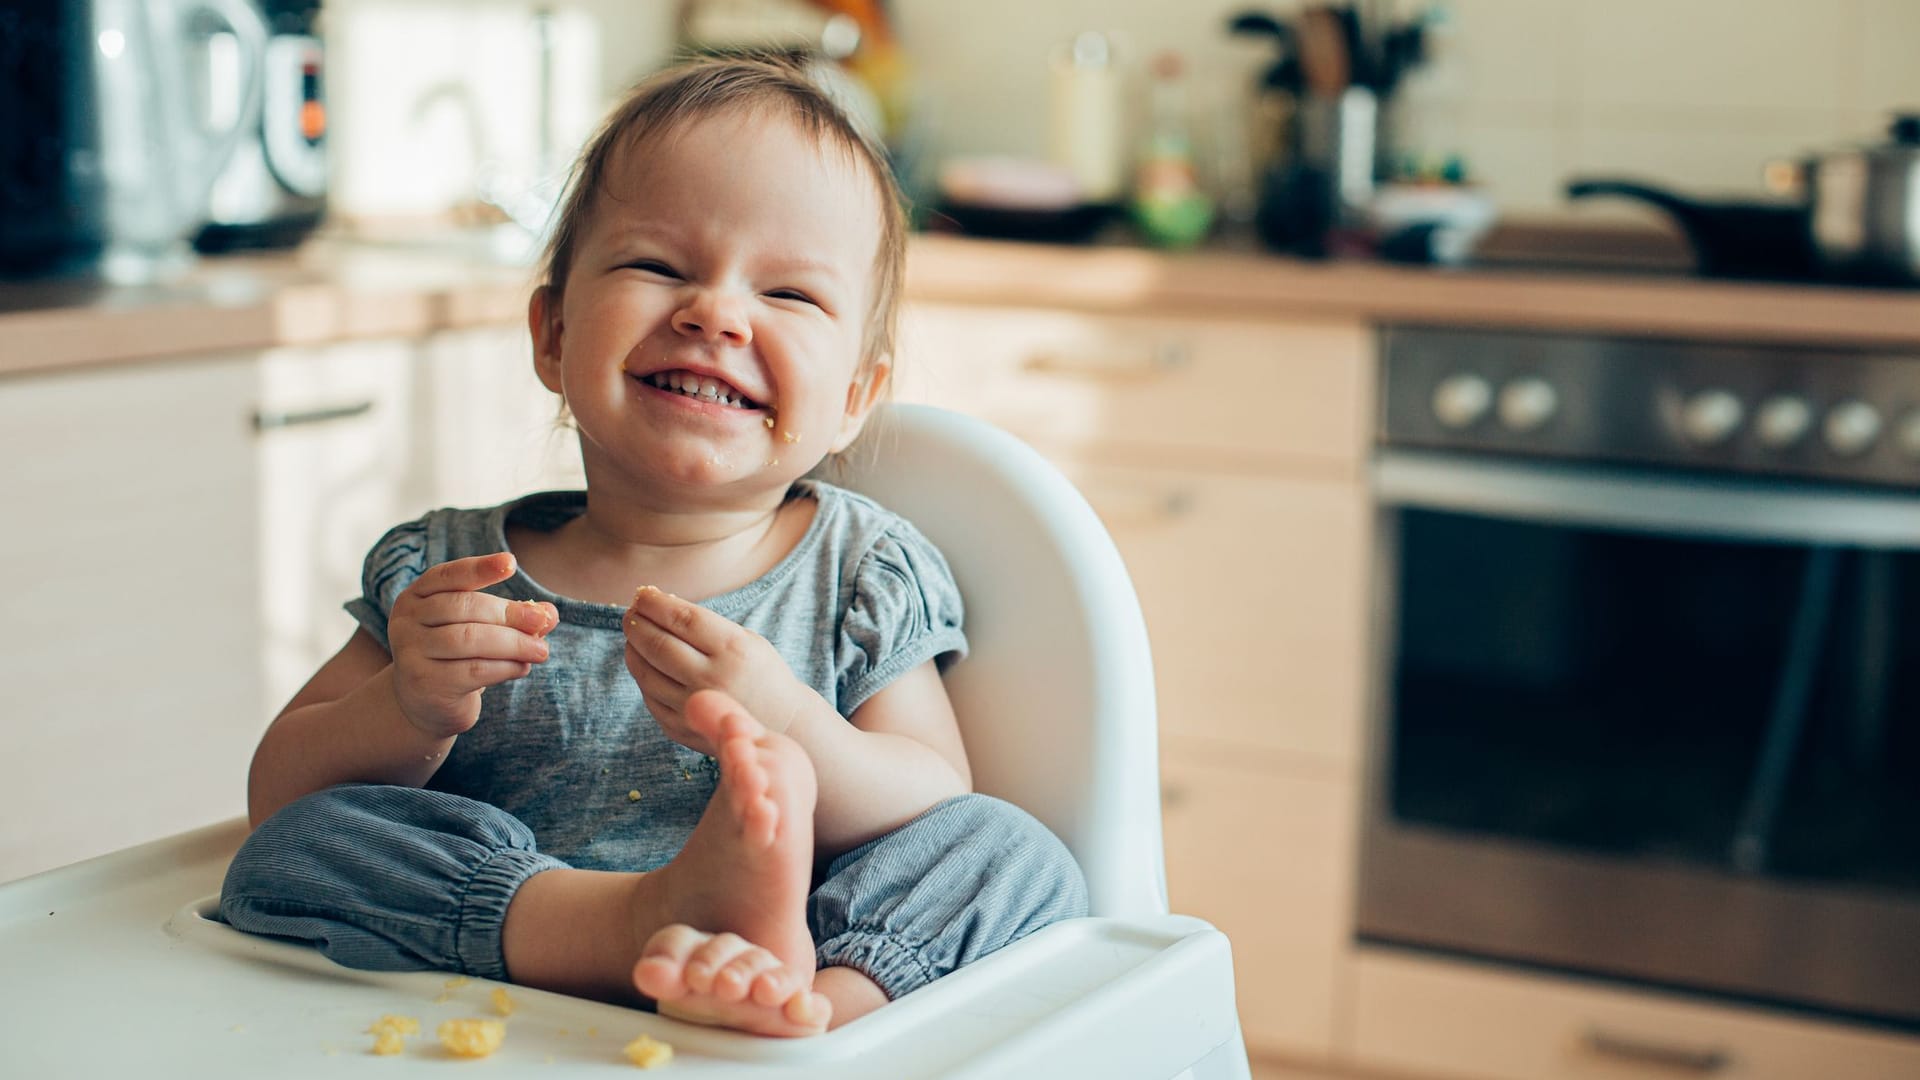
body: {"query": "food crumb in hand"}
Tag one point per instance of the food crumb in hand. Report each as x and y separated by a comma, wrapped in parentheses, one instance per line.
(472, 1037)
(648, 1052)
(502, 1003)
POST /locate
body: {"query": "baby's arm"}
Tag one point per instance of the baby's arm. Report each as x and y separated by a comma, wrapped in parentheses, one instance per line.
(371, 717)
(900, 755)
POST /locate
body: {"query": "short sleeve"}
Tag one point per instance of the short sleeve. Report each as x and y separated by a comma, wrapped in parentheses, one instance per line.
(395, 562)
(905, 610)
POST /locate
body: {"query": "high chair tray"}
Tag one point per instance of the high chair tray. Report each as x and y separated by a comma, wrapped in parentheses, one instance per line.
(113, 967)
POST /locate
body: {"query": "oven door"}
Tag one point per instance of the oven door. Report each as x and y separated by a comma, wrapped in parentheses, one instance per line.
(1649, 726)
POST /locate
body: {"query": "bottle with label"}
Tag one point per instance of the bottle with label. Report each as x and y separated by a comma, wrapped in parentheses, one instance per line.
(1169, 206)
(1087, 120)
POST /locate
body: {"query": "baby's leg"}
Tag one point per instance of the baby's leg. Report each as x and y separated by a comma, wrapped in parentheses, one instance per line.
(730, 944)
(385, 878)
(963, 880)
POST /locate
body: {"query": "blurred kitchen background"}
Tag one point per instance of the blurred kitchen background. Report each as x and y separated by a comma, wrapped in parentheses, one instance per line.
(1508, 410)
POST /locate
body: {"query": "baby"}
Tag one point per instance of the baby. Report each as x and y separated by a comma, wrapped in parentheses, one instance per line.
(740, 793)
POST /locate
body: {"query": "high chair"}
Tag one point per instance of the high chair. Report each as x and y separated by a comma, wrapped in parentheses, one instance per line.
(116, 966)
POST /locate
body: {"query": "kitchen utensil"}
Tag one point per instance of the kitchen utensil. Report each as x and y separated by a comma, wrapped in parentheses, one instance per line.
(161, 158)
(52, 195)
(1844, 215)
(1863, 207)
(273, 190)
(1087, 129)
(1730, 238)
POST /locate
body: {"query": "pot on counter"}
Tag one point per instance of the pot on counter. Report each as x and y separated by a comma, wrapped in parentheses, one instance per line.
(1842, 215)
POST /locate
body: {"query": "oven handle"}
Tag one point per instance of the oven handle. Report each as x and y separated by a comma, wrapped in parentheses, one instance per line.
(1626, 500)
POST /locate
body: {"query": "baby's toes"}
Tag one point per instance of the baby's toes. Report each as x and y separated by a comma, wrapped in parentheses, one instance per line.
(773, 987)
(732, 982)
(711, 958)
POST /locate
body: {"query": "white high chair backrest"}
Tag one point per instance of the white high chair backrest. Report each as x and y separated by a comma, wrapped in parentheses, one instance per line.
(1055, 699)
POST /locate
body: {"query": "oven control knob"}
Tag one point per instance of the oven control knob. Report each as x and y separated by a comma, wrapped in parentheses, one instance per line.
(1710, 417)
(1782, 421)
(1851, 427)
(1527, 403)
(1460, 400)
(1909, 434)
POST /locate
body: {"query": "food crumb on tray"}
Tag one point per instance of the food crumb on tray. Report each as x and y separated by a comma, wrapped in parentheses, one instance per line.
(649, 1052)
(471, 1037)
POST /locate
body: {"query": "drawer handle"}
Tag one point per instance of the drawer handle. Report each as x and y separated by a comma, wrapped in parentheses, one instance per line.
(1117, 504)
(268, 419)
(1163, 359)
(1699, 1061)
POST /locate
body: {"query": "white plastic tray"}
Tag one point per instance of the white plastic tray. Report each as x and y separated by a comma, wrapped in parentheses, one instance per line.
(110, 967)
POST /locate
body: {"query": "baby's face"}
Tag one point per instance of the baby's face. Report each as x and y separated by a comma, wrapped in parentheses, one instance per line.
(711, 328)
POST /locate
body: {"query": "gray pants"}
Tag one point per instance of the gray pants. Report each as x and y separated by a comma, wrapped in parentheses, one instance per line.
(405, 879)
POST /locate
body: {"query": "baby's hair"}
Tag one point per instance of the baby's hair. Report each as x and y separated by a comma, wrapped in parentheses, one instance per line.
(668, 99)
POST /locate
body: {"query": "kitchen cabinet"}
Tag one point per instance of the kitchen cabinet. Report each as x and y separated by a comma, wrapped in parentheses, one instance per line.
(341, 457)
(493, 431)
(1261, 853)
(1416, 1014)
(1226, 458)
(134, 692)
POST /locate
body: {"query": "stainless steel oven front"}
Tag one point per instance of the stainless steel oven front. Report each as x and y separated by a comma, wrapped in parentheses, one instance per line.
(1648, 664)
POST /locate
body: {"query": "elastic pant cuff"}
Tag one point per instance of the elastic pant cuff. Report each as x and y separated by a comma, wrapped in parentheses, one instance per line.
(896, 968)
(483, 909)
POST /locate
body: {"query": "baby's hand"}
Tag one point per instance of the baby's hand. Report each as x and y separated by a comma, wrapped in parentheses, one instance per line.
(450, 641)
(676, 647)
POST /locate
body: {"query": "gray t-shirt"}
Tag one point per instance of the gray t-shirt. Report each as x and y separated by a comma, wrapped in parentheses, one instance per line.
(861, 600)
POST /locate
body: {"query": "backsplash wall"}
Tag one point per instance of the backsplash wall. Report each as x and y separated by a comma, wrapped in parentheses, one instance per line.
(1696, 93)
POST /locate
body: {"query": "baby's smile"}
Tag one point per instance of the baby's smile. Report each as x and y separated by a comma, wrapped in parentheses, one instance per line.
(703, 387)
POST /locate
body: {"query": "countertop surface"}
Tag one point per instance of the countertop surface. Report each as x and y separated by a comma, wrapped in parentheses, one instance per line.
(333, 290)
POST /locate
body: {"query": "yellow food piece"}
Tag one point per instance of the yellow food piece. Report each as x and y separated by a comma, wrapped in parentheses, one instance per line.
(471, 1037)
(392, 1024)
(633, 796)
(502, 1004)
(648, 1052)
(388, 1043)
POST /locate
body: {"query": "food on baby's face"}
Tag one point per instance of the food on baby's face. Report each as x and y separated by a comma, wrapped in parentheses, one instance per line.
(648, 1052)
(502, 1004)
(471, 1037)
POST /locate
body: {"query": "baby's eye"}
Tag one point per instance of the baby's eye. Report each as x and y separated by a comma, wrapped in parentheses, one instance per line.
(793, 294)
(653, 266)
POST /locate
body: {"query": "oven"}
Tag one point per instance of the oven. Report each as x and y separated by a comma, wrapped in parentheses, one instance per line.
(1647, 658)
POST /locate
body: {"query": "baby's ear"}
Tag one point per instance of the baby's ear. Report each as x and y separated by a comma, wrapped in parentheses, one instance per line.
(543, 322)
(865, 392)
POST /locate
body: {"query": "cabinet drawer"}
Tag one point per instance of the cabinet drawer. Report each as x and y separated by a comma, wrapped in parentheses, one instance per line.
(1265, 856)
(1278, 392)
(1422, 1015)
(1254, 590)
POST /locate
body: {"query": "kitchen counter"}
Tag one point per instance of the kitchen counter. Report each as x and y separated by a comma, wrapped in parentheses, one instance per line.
(332, 289)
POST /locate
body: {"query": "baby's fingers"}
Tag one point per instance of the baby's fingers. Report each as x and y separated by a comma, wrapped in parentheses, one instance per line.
(480, 641)
(464, 575)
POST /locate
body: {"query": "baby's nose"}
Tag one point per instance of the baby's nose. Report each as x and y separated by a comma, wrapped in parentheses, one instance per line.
(713, 317)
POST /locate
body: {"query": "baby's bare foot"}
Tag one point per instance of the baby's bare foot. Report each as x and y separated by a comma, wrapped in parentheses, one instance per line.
(735, 950)
(727, 981)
